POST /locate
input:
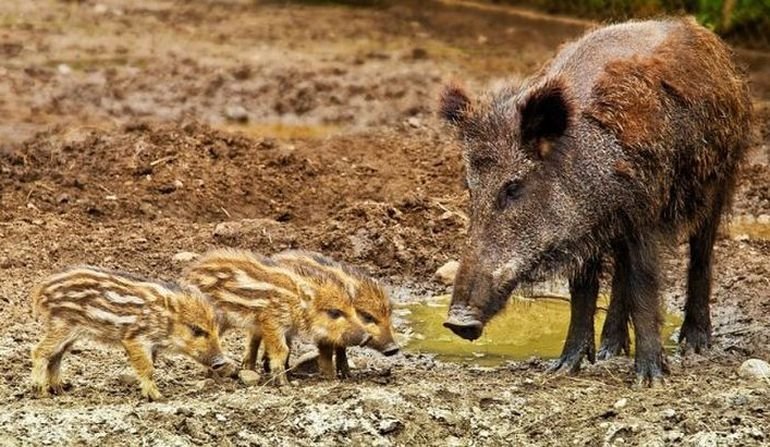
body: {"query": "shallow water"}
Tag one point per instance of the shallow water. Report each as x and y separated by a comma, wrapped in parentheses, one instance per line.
(526, 327)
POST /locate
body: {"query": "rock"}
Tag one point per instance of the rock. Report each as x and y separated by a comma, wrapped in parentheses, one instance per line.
(673, 436)
(64, 69)
(668, 413)
(248, 377)
(228, 230)
(621, 403)
(237, 113)
(127, 379)
(447, 272)
(205, 384)
(763, 219)
(755, 369)
(389, 426)
(705, 439)
(63, 198)
(414, 122)
(184, 256)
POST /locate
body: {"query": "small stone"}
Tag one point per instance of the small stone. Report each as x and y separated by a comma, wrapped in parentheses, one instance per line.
(705, 439)
(414, 122)
(248, 377)
(63, 198)
(205, 384)
(38, 222)
(111, 197)
(127, 379)
(228, 230)
(621, 403)
(755, 369)
(389, 426)
(178, 184)
(482, 39)
(668, 413)
(763, 219)
(185, 256)
(100, 8)
(64, 69)
(237, 113)
(221, 417)
(447, 272)
(673, 436)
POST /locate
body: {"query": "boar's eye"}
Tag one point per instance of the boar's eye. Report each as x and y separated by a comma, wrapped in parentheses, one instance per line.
(367, 317)
(198, 331)
(334, 313)
(510, 193)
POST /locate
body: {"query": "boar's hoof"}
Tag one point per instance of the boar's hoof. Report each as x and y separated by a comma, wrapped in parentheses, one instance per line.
(650, 373)
(693, 338)
(58, 388)
(467, 329)
(612, 348)
(568, 363)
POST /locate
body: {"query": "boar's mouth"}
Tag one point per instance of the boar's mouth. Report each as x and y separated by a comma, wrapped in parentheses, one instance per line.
(468, 321)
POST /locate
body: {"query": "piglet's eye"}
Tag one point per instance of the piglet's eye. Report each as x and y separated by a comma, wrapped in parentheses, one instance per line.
(367, 317)
(198, 331)
(334, 313)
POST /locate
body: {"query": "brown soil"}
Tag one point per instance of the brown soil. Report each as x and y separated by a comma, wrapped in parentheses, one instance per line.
(136, 130)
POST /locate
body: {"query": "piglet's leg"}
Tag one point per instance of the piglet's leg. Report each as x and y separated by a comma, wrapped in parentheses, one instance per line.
(277, 350)
(341, 361)
(47, 356)
(325, 361)
(140, 357)
(253, 339)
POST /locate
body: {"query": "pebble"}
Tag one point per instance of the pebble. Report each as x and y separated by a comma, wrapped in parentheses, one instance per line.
(237, 113)
(668, 413)
(127, 379)
(205, 384)
(447, 272)
(64, 69)
(389, 426)
(185, 256)
(414, 122)
(755, 369)
(248, 377)
(621, 403)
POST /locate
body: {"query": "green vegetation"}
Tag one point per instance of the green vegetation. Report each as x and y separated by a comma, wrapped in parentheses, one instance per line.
(746, 17)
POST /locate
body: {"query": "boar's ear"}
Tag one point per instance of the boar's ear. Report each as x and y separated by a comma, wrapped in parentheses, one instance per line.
(545, 116)
(454, 105)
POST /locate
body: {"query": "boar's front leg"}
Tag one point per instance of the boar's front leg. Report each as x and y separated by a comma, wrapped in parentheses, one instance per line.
(140, 356)
(636, 269)
(615, 339)
(325, 360)
(584, 289)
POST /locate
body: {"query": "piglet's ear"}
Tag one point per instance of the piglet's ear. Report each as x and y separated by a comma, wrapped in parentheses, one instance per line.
(454, 104)
(545, 116)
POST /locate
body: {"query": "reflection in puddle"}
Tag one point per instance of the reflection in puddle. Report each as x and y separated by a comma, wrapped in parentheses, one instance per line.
(527, 327)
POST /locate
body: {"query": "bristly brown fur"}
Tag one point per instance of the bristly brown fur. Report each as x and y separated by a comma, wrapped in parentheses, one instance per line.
(658, 123)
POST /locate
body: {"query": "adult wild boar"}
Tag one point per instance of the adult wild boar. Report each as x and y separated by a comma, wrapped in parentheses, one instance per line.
(631, 136)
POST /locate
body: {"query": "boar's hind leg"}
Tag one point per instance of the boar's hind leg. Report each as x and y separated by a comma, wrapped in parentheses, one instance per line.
(584, 289)
(140, 356)
(636, 269)
(696, 329)
(615, 338)
(277, 350)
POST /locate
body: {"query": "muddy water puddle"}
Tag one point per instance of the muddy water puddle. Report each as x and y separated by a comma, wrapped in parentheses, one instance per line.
(527, 327)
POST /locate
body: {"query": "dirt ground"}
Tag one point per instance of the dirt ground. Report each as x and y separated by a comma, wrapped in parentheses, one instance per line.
(132, 131)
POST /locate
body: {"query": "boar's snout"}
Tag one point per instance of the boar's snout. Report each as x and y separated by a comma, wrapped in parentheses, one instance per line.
(467, 329)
